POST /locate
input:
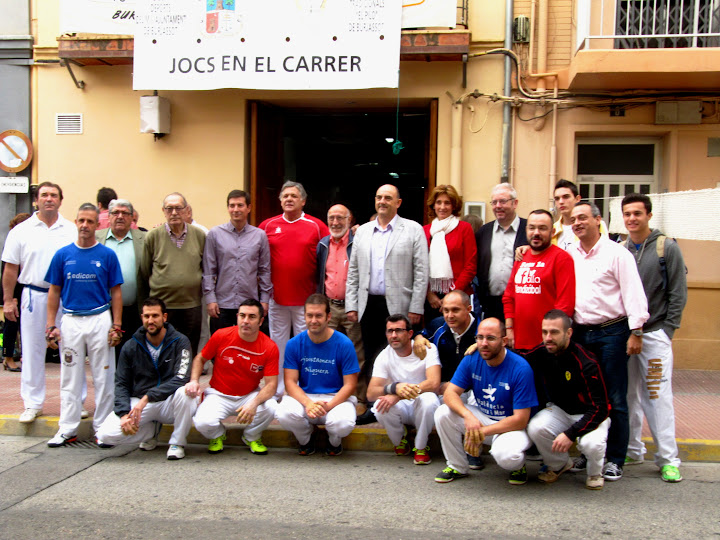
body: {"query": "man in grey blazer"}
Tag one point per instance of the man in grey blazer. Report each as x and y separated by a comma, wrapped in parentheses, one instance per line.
(128, 244)
(388, 273)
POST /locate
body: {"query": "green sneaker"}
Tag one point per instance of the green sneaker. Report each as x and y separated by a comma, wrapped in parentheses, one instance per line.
(670, 473)
(631, 461)
(216, 445)
(448, 474)
(519, 477)
(256, 447)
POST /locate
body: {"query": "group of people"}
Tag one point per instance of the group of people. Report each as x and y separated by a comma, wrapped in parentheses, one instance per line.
(547, 332)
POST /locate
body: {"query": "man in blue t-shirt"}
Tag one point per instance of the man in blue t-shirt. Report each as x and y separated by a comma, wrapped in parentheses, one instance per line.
(321, 371)
(87, 277)
(504, 389)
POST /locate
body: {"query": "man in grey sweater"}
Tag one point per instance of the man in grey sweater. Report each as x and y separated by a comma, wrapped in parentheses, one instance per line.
(662, 271)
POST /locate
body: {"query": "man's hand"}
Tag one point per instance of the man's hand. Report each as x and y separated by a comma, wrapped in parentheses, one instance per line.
(192, 389)
(474, 436)
(52, 336)
(408, 390)
(10, 310)
(434, 300)
(352, 316)
(316, 409)
(115, 335)
(246, 413)
(420, 347)
(520, 252)
(634, 344)
(471, 349)
(384, 403)
(561, 444)
(128, 425)
(136, 412)
(511, 338)
(266, 308)
(414, 318)
(213, 310)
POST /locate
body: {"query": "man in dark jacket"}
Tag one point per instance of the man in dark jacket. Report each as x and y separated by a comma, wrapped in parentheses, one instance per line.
(149, 386)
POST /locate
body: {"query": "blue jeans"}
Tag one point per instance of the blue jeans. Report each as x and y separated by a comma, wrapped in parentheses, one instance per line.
(609, 345)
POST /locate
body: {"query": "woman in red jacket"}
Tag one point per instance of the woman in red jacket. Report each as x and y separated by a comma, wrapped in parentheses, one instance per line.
(453, 252)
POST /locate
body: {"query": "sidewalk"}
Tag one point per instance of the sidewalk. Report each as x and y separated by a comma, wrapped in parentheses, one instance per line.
(697, 417)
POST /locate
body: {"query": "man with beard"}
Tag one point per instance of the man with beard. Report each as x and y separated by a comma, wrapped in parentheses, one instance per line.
(149, 386)
(543, 280)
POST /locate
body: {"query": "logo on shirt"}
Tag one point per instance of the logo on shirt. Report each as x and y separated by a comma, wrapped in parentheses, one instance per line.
(526, 282)
(80, 276)
(567, 376)
(255, 368)
(489, 393)
(278, 230)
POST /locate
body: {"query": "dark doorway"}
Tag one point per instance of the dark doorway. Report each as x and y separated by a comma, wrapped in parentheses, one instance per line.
(342, 157)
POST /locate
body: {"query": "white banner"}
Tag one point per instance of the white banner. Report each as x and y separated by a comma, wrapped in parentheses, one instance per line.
(283, 44)
(429, 13)
(98, 16)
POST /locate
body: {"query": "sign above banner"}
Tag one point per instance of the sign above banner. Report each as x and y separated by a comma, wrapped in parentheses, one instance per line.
(278, 45)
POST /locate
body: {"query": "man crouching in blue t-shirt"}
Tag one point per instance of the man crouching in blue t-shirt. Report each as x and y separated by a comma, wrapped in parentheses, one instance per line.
(504, 388)
(321, 371)
(87, 277)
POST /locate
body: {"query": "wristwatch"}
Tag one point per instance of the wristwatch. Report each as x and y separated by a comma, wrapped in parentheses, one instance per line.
(637, 332)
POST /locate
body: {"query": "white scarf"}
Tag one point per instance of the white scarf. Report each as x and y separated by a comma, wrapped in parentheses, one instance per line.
(441, 275)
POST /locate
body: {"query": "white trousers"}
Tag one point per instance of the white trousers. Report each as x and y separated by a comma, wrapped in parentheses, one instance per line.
(178, 410)
(650, 392)
(508, 449)
(216, 407)
(339, 422)
(33, 319)
(419, 412)
(81, 337)
(550, 422)
(282, 318)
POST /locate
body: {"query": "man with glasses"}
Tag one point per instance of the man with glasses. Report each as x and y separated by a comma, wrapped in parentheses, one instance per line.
(504, 389)
(403, 388)
(172, 264)
(129, 245)
(496, 244)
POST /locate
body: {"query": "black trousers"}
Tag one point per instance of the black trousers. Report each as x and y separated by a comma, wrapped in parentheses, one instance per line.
(187, 321)
(130, 323)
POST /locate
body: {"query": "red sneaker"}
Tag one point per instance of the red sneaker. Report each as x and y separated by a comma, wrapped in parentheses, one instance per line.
(422, 456)
(403, 449)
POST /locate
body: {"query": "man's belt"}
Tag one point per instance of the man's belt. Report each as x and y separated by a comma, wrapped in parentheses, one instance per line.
(616, 320)
(36, 288)
(340, 303)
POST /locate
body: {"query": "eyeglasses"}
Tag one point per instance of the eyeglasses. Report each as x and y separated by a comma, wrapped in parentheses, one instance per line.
(120, 213)
(171, 209)
(337, 218)
(490, 339)
(501, 201)
(391, 331)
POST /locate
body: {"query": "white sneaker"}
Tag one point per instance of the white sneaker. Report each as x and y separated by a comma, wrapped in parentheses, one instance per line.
(29, 415)
(84, 414)
(149, 445)
(611, 472)
(175, 452)
(61, 440)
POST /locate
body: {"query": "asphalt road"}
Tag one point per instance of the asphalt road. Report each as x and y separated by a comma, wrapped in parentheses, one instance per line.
(125, 493)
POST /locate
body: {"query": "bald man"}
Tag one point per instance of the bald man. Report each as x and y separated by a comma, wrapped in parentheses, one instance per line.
(333, 257)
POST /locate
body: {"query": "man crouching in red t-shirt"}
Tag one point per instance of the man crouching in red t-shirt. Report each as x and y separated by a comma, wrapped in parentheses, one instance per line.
(243, 356)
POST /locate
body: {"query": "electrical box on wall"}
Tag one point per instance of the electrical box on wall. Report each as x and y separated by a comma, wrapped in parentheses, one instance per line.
(154, 115)
(521, 29)
(678, 112)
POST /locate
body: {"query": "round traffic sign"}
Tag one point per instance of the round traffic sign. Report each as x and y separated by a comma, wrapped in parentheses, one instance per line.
(15, 151)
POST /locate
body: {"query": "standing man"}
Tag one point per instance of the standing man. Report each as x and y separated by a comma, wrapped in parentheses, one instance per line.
(87, 276)
(320, 375)
(293, 238)
(578, 403)
(504, 388)
(566, 196)
(243, 357)
(333, 258)
(405, 387)
(236, 265)
(496, 244)
(662, 271)
(388, 274)
(29, 248)
(149, 386)
(129, 246)
(172, 263)
(610, 310)
(543, 280)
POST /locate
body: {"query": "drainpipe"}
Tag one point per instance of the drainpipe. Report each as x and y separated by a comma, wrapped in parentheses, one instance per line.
(34, 85)
(506, 126)
(456, 145)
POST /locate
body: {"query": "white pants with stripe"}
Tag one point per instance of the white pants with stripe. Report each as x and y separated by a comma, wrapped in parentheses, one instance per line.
(419, 412)
(282, 319)
(550, 422)
(216, 407)
(339, 422)
(81, 337)
(508, 449)
(178, 410)
(650, 392)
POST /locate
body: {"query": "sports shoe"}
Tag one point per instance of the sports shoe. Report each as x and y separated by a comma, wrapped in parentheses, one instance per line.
(61, 440)
(307, 449)
(519, 477)
(579, 464)
(422, 456)
(331, 450)
(84, 414)
(475, 463)
(596, 481)
(548, 477)
(29, 415)
(256, 447)
(611, 472)
(670, 473)
(151, 444)
(368, 417)
(403, 449)
(175, 451)
(631, 461)
(448, 474)
(215, 446)
(103, 445)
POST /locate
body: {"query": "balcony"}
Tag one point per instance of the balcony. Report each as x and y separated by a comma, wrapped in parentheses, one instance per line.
(647, 44)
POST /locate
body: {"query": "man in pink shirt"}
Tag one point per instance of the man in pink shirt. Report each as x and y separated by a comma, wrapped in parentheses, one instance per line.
(610, 310)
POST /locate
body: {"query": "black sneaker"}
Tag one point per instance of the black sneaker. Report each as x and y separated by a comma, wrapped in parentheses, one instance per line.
(579, 464)
(448, 474)
(475, 463)
(368, 417)
(307, 449)
(103, 445)
(519, 477)
(331, 450)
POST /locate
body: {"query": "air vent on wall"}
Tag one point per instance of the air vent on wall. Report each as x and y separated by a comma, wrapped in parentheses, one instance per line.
(69, 124)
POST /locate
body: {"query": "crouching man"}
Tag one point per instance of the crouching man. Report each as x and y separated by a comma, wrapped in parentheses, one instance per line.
(243, 357)
(149, 386)
(403, 388)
